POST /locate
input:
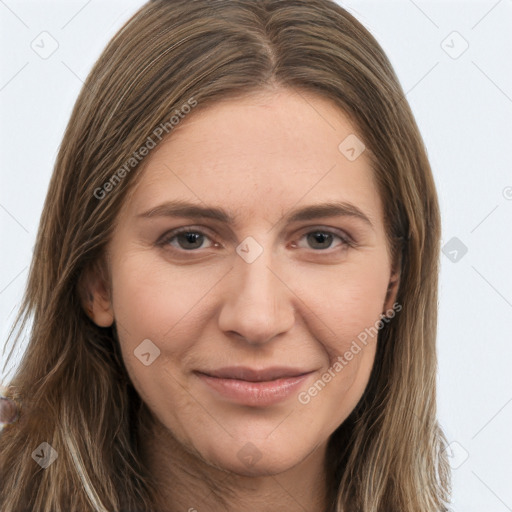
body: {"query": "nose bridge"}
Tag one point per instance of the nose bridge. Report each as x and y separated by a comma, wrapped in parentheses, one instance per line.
(257, 284)
(257, 307)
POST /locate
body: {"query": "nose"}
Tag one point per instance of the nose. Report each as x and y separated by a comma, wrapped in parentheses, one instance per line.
(257, 304)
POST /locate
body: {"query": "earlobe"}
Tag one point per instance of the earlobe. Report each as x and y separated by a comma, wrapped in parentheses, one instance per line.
(392, 291)
(100, 311)
(96, 297)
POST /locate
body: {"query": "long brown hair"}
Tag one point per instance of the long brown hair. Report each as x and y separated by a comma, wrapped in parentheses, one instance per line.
(72, 387)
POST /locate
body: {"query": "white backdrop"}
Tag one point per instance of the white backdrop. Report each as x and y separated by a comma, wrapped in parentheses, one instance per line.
(451, 60)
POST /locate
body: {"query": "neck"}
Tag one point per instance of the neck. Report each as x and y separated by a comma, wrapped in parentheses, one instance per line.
(185, 482)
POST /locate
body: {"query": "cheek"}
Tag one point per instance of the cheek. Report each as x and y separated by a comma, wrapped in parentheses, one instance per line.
(345, 308)
(150, 301)
(345, 304)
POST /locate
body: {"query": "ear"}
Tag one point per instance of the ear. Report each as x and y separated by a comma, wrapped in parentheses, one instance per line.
(95, 294)
(392, 291)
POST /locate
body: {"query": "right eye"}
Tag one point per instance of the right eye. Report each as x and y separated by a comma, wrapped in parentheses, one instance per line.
(186, 239)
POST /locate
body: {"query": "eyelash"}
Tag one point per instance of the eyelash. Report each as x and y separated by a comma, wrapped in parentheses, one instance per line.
(346, 241)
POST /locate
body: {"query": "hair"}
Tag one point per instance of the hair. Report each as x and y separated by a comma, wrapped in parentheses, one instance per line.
(71, 384)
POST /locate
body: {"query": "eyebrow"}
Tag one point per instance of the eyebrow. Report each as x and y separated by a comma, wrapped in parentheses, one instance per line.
(181, 208)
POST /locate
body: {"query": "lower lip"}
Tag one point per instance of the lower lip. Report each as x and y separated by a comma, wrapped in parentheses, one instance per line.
(255, 393)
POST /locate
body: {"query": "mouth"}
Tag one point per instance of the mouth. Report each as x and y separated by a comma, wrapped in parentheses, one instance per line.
(254, 387)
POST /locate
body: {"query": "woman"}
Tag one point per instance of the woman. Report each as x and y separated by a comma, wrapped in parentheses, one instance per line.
(234, 286)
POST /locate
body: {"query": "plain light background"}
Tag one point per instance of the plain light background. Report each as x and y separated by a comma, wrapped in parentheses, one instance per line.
(453, 60)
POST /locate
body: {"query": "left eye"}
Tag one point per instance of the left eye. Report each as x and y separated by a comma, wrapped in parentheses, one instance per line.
(321, 239)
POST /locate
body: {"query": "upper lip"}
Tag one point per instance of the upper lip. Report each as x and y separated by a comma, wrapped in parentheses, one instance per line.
(255, 375)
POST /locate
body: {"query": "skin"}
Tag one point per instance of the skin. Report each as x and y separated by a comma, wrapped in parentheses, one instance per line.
(299, 304)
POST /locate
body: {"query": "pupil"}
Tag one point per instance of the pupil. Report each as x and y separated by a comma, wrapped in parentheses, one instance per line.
(192, 238)
(320, 238)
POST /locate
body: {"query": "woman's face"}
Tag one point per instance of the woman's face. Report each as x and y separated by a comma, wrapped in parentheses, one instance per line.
(247, 266)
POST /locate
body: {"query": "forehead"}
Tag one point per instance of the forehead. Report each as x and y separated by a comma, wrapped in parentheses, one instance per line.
(260, 155)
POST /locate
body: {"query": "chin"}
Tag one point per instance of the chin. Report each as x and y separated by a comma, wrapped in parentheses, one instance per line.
(265, 466)
(259, 458)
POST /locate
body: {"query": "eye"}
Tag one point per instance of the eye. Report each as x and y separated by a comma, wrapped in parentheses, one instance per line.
(321, 239)
(190, 239)
(186, 239)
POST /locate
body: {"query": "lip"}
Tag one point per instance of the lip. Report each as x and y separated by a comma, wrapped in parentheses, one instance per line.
(247, 386)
